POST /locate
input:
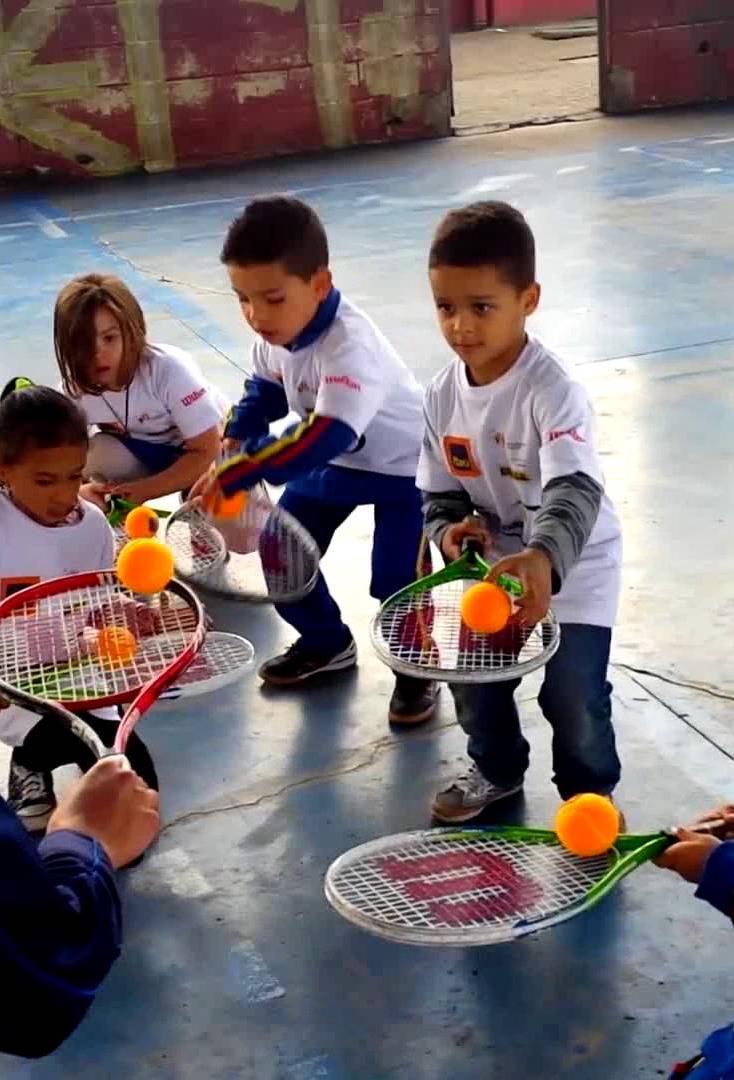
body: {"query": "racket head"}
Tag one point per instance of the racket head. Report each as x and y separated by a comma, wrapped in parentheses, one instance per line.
(223, 659)
(50, 643)
(419, 632)
(263, 556)
(474, 886)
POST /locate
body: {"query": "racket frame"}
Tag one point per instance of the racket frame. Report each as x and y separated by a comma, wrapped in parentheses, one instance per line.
(141, 699)
(470, 566)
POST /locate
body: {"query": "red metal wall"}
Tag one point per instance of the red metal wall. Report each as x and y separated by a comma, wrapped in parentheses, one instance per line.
(532, 12)
(665, 52)
(108, 86)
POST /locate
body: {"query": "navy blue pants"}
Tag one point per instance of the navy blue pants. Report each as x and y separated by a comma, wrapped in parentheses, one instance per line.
(322, 501)
(576, 699)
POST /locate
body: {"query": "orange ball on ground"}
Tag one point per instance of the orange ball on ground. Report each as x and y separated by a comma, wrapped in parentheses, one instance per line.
(116, 644)
(145, 566)
(141, 522)
(587, 825)
(486, 608)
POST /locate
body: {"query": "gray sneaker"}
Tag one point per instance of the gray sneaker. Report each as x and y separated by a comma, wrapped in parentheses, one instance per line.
(31, 795)
(468, 796)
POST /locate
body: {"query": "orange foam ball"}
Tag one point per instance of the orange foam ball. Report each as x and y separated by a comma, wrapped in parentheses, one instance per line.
(145, 566)
(486, 608)
(223, 508)
(116, 644)
(141, 522)
(587, 825)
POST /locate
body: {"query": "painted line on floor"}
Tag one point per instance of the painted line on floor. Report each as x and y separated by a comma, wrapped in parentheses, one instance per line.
(316, 1068)
(254, 980)
(569, 169)
(172, 871)
(48, 227)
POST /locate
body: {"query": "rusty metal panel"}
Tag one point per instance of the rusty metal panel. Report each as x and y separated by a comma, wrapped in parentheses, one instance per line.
(656, 53)
(100, 87)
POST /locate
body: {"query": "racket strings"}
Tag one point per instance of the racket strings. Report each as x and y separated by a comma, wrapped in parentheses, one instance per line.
(484, 884)
(52, 647)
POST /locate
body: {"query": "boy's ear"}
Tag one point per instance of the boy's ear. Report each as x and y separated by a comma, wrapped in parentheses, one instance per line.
(322, 282)
(532, 299)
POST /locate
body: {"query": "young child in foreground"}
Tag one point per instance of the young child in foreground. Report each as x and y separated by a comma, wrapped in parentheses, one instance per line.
(509, 457)
(47, 531)
(158, 420)
(709, 863)
(357, 441)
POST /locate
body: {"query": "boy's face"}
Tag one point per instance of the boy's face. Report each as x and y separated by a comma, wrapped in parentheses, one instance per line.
(276, 304)
(46, 482)
(482, 314)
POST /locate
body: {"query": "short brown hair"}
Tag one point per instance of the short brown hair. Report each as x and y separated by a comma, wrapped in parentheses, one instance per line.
(278, 229)
(74, 335)
(487, 234)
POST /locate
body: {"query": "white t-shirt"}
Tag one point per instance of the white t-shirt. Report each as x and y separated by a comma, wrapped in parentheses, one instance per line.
(30, 553)
(168, 400)
(502, 444)
(353, 374)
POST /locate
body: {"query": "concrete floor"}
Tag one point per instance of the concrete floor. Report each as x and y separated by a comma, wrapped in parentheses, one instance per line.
(504, 78)
(234, 966)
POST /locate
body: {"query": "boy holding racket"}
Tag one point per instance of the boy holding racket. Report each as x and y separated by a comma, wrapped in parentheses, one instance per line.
(357, 440)
(508, 456)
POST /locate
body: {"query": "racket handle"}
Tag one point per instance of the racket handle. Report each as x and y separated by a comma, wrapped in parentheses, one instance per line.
(511, 585)
(471, 545)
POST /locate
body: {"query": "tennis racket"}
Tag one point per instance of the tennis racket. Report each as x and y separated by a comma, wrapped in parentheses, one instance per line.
(419, 630)
(262, 556)
(478, 886)
(52, 661)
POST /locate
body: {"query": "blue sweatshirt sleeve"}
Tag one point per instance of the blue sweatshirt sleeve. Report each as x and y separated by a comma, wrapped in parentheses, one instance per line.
(60, 932)
(262, 403)
(302, 447)
(717, 884)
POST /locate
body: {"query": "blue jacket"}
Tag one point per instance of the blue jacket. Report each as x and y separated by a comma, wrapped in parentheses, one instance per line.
(717, 887)
(60, 932)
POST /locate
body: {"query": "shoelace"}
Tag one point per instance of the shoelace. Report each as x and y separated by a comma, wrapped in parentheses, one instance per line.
(33, 786)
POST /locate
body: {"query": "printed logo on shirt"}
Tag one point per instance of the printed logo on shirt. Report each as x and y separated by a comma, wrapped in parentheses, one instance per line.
(343, 380)
(574, 433)
(193, 397)
(515, 472)
(460, 456)
(304, 388)
(501, 439)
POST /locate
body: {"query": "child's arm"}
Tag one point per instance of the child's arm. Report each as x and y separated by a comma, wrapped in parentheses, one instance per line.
(262, 403)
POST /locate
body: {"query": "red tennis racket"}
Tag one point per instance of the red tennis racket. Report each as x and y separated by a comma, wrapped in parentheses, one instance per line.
(55, 656)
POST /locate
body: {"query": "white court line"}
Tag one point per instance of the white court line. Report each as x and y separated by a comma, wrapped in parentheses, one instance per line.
(48, 227)
(719, 142)
(713, 170)
(171, 871)
(571, 169)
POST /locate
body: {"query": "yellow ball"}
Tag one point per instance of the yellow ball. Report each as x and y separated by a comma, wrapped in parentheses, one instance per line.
(587, 825)
(145, 566)
(485, 608)
(141, 522)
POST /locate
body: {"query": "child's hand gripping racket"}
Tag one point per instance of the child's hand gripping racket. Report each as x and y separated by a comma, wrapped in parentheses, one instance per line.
(84, 642)
(248, 550)
(423, 630)
(479, 886)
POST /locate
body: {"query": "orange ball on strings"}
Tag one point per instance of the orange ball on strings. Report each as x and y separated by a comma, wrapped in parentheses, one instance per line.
(221, 507)
(587, 825)
(116, 644)
(486, 608)
(141, 522)
(145, 566)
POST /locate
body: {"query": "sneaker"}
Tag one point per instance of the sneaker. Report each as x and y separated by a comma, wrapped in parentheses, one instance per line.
(412, 701)
(299, 663)
(469, 795)
(31, 795)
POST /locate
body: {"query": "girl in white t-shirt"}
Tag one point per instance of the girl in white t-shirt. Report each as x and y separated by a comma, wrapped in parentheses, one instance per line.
(46, 531)
(157, 420)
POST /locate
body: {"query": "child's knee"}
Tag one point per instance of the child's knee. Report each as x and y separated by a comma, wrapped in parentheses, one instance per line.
(110, 461)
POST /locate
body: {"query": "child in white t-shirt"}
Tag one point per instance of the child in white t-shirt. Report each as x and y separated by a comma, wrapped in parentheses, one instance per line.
(158, 420)
(509, 456)
(358, 438)
(47, 531)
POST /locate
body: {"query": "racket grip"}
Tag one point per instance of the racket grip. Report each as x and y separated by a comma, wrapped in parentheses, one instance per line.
(511, 585)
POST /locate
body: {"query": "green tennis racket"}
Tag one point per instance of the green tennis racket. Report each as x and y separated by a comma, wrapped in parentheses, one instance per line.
(419, 630)
(478, 886)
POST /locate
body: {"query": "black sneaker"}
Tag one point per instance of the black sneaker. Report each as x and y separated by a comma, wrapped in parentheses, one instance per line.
(299, 663)
(413, 700)
(31, 795)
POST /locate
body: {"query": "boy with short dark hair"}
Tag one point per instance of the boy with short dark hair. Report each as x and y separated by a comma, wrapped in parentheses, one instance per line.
(509, 457)
(358, 438)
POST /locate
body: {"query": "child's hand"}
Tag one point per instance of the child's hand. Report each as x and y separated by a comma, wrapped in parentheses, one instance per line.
(230, 447)
(720, 813)
(206, 486)
(688, 855)
(134, 491)
(532, 568)
(453, 537)
(96, 493)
